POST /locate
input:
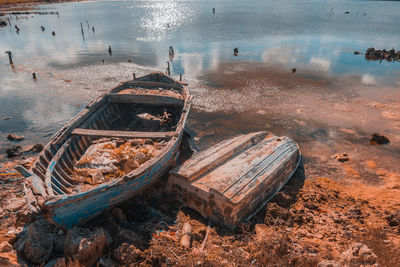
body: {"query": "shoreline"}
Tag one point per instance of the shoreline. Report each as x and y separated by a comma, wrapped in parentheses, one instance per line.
(9, 5)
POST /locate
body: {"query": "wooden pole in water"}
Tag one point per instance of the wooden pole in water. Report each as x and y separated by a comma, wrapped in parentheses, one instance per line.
(134, 76)
(10, 57)
(168, 69)
(180, 77)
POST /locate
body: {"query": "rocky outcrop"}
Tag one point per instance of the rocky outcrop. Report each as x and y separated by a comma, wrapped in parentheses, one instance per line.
(85, 246)
(373, 54)
(38, 245)
(358, 254)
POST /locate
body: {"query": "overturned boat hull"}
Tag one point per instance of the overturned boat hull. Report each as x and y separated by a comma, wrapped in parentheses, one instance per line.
(50, 186)
(231, 181)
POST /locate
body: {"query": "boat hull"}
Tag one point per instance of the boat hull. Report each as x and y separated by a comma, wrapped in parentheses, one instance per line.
(50, 186)
(231, 181)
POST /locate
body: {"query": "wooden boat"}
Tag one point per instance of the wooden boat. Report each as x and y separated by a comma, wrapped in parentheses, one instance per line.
(231, 181)
(115, 116)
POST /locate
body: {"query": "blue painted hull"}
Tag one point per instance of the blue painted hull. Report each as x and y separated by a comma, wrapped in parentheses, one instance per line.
(49, 187)
(75, 209)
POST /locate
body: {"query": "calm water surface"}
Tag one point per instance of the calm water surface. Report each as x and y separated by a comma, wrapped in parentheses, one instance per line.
(314, 35)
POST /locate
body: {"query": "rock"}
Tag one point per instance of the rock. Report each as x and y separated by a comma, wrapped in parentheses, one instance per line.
(5, 247)
(58, 243)
(37, 147)
(394, 218)
(294, 70)
(14, 151)
(126, 254)
(357, 53)
(358, 254)
(15, 137)
(60, 262)
(328, 263)
(370, 51)
(264, 233)
(341, 157)
(39, 242)
(86, 246)
(377, 138)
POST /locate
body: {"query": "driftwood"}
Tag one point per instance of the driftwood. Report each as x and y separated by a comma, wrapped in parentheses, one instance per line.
(186, 235)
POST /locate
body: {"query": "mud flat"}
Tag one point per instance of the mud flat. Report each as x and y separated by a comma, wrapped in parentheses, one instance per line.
(341, 207)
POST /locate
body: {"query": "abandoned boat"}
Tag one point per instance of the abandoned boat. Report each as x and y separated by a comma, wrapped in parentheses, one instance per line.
(116, 147)
(230, 182)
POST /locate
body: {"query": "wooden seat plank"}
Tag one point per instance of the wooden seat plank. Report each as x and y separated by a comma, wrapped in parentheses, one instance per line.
(123, 134)
(144, 99)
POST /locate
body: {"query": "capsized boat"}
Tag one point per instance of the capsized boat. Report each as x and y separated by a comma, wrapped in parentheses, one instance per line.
(230, 182)
(116, 147)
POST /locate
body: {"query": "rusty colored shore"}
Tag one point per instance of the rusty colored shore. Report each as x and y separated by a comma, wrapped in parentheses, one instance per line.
(341, 208)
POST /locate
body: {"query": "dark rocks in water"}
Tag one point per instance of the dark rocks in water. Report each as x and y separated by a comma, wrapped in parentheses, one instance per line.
(3, 23)
(15, 137)
(42, 28)
(35, 148)
(347, 12)
(53, 33)
(378, 139)
(357, 53)
(14, 151)
(373, 54)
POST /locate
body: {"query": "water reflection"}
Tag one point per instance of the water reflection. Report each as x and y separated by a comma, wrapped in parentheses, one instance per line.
(75, 64)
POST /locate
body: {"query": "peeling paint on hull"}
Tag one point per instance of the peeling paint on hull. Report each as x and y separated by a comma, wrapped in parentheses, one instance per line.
(49, 187)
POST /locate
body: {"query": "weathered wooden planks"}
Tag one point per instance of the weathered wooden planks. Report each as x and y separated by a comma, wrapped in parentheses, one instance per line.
(144, 99)
(122, 134)
(230, 181)
(53, 166)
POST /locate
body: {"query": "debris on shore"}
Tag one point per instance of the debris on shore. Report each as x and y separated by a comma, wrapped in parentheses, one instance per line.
(310, 222)
(13, 151)
(378, 139)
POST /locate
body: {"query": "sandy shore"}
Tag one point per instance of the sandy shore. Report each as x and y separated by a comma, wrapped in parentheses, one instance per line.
(331, 212)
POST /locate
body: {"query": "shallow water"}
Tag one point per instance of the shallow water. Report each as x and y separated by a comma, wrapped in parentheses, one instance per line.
(308, 35)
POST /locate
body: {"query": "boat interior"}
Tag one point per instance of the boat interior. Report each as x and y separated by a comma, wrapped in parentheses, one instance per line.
(129, 112)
